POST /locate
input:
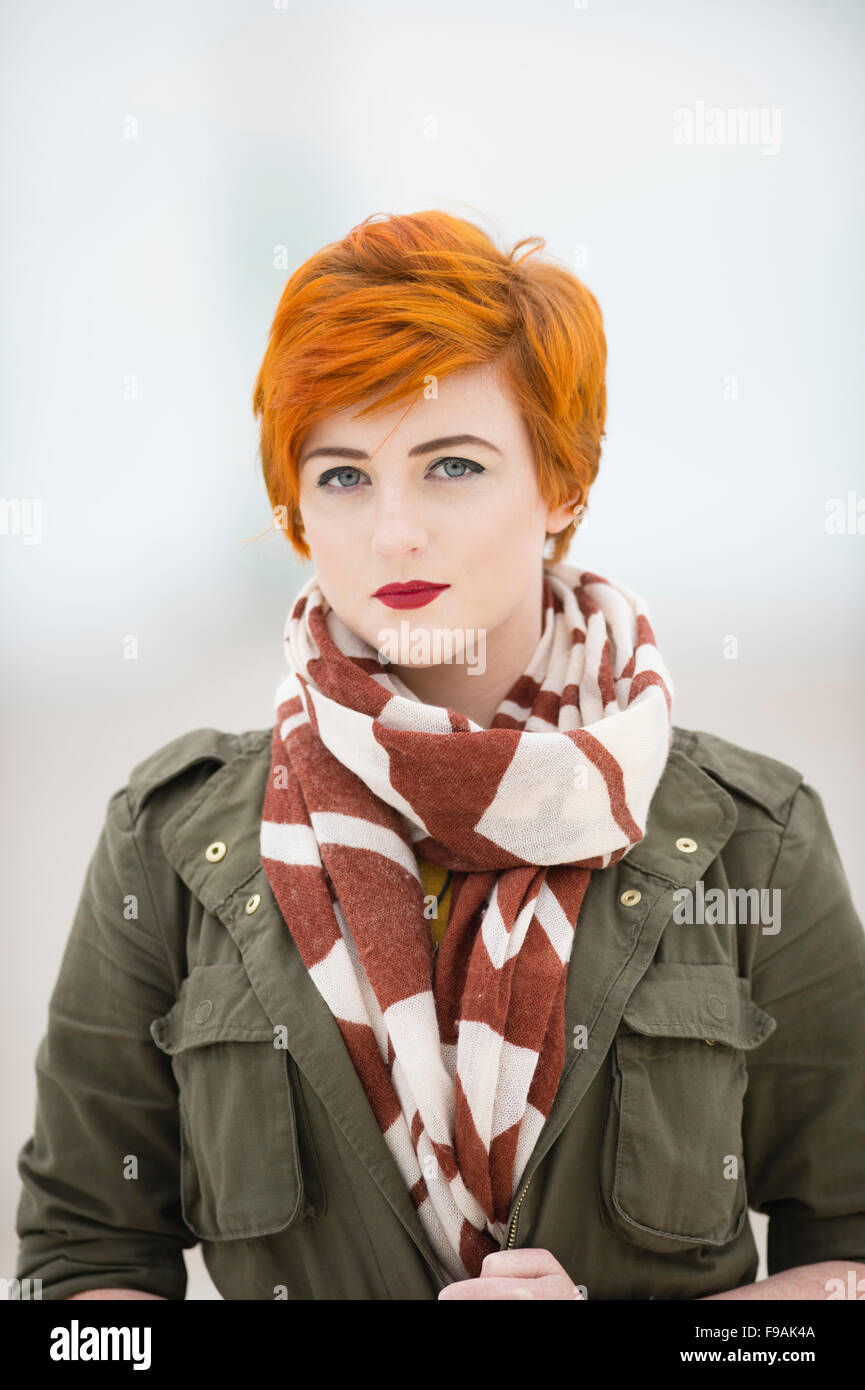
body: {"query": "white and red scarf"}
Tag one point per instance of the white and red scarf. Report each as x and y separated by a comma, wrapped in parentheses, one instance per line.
(460, 1063)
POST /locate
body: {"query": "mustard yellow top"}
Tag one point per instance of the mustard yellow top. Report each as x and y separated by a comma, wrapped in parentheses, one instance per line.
(435, 878)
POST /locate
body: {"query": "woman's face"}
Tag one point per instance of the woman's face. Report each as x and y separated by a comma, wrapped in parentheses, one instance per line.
(406, 496)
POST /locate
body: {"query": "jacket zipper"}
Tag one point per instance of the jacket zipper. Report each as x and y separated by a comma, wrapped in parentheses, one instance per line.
(513, 1231)
(512, 1235)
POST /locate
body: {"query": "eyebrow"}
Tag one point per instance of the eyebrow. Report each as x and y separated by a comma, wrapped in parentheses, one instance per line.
(447, 441)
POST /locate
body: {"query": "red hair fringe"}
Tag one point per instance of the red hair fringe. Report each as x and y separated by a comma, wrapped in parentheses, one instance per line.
(403, 298)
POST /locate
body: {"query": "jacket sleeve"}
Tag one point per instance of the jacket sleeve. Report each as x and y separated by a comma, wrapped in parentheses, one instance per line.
(804, 1126)
(100, 1201)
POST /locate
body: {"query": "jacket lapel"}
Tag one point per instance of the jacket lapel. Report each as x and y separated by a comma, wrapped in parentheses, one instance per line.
(613, 945)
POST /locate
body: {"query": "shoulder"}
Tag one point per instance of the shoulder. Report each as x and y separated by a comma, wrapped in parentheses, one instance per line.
(192, 757)
(185, 762)
(756, 781)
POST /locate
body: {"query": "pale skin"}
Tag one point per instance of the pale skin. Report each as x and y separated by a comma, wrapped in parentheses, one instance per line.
(393, 516)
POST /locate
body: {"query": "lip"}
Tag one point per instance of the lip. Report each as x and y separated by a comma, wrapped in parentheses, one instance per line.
(415, 594)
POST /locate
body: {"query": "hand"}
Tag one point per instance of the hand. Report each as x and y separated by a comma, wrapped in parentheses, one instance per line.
(523, 1273)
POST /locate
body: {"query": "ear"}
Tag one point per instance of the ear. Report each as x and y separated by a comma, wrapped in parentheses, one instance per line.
(560, 517)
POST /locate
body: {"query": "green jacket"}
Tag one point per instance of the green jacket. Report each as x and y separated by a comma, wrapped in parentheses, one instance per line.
(711, 1065)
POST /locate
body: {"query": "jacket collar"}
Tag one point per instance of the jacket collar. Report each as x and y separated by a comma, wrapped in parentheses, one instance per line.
(613, 946)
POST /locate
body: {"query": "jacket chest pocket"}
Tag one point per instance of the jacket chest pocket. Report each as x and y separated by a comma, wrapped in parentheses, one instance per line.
(241, 1174)
(672, 1167)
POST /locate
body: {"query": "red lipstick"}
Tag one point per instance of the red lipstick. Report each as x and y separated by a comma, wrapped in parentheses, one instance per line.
(414, 594)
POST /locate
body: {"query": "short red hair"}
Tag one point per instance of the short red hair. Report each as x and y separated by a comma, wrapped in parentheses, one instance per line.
(407, 297)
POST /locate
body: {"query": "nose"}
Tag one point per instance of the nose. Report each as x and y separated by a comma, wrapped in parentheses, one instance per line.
(398, 524)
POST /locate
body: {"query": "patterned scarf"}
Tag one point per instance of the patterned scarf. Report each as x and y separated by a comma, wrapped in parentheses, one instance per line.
(461, 1063)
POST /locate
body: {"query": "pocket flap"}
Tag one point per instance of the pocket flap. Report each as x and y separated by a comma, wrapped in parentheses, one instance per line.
(216, 1003)
(710, 1002)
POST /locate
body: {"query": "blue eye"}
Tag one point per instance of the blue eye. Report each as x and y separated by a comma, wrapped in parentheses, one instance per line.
(336, 473)
(464, 463)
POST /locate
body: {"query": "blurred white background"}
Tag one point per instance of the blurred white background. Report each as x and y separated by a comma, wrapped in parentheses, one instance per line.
(167, 167)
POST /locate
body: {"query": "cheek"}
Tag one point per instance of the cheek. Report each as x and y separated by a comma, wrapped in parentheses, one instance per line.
(326, 541)
(506, 533)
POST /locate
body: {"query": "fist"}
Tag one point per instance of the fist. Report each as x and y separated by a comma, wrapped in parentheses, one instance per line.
(517, 1274)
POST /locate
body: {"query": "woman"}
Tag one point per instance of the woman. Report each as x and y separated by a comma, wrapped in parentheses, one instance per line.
(452, 982)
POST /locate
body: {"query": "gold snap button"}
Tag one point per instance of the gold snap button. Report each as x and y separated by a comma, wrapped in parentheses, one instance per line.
(253, 903)
(215, 852)
(686, 845)
(709, 1041)
(630, 897)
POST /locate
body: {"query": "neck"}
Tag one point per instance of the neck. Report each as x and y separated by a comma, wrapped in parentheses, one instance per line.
(478, 693)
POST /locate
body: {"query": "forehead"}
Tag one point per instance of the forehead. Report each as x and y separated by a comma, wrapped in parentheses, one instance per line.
(474, 399)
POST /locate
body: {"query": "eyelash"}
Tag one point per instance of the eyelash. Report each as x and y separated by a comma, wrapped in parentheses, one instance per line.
(348, 468)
